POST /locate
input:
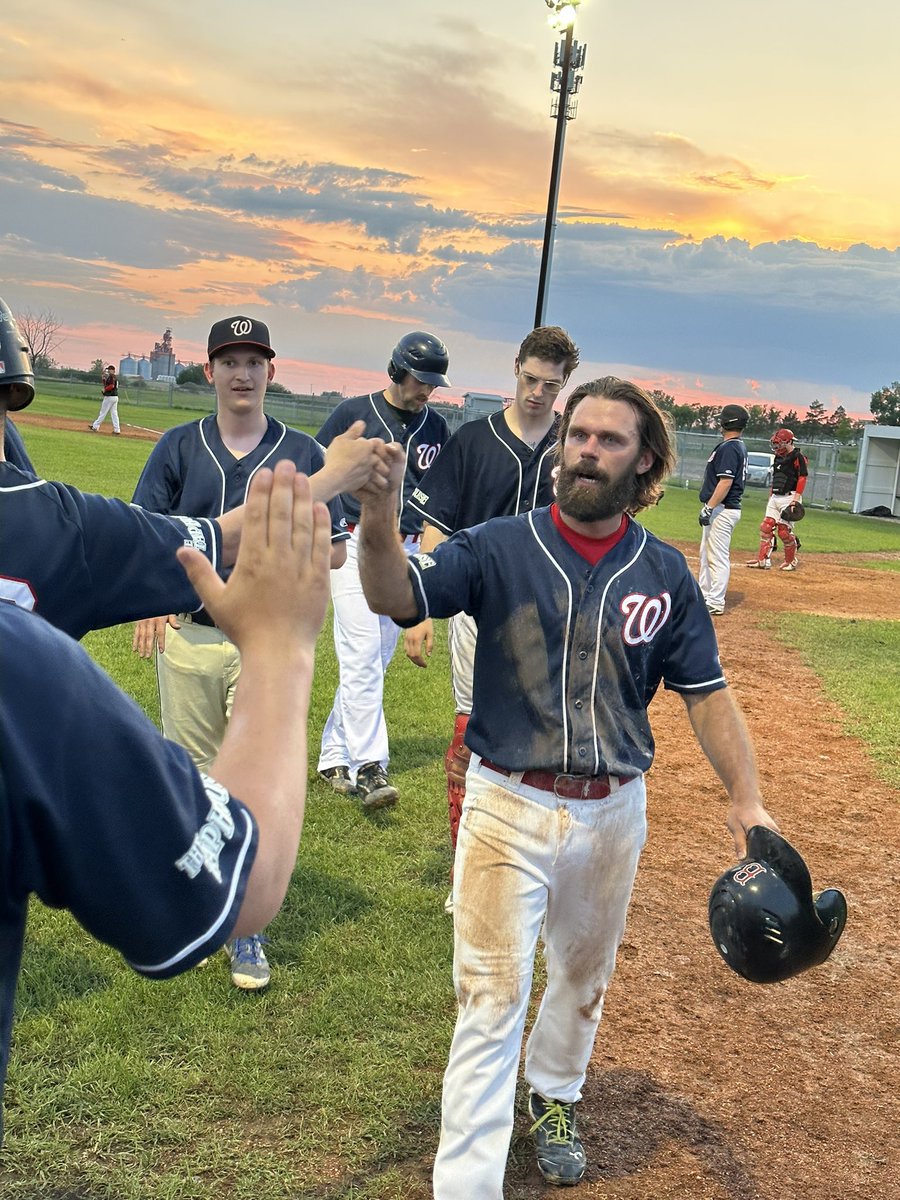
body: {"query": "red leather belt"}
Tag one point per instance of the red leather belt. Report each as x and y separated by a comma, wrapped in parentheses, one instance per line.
(566, 787)
(415, 537)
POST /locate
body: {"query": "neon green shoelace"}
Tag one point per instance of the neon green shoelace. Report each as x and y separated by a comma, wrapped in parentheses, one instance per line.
(556, 1117)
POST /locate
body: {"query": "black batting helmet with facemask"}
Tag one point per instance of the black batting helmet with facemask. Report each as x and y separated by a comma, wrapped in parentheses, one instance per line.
(15, 362)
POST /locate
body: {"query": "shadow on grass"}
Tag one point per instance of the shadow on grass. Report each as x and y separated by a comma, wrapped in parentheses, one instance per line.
(51, 976)
(316, 900)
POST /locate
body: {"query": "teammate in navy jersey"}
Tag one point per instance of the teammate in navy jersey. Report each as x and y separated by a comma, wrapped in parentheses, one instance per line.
(150, 856)
(495, 467)
(581, 615)
(84, 561)
(206, 467)
(720, 495)
(354, 754)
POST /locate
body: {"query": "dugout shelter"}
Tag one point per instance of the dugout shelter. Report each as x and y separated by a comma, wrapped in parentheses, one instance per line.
(878, 474)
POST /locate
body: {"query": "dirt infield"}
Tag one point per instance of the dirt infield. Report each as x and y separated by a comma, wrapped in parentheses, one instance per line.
(703, 1086)
(48, 421)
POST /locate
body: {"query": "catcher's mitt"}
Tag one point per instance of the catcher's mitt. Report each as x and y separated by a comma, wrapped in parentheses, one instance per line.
(793, 512)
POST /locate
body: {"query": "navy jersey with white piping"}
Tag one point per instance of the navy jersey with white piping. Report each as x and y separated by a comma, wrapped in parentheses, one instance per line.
(569, 655)
(119, 827)
(84, 562)
(485, 470)
(421, 438)
(727, 461)
(191, 471)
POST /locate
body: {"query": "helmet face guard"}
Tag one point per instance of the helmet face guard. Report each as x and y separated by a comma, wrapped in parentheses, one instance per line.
(15, 360)
(782, 440)
(764, 919)
(423, 356)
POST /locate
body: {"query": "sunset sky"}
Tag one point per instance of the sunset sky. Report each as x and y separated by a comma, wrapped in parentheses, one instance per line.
(729, 212)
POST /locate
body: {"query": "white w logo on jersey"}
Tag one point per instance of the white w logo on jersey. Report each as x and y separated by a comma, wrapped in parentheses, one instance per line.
(646, 617)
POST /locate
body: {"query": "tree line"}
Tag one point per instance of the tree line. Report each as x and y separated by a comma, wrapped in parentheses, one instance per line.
(42, 332)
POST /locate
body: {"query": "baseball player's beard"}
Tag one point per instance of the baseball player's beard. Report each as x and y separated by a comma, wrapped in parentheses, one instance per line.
(599, 503)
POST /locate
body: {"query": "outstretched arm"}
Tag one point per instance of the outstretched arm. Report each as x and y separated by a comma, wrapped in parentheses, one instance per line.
(382, 560)
(272, 608)
(719, 726)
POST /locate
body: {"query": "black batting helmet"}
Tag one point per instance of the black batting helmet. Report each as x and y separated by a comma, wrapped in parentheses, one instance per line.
(763, 917)
(734, 416)
(15, 359)
(423, 356)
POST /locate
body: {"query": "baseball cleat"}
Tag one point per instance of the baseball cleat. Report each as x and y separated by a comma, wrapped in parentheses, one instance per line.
(755, 564)
(249, 965)
(373, 788)
(714, 610)
(339, 778)
(560, 1154)
(791, 566)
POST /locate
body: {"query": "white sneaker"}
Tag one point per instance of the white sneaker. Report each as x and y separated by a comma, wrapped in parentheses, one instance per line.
(791, 566)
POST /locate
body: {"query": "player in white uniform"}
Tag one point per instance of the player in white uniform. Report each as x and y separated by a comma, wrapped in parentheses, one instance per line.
(581, 614)
(354, 754)
(496, 467)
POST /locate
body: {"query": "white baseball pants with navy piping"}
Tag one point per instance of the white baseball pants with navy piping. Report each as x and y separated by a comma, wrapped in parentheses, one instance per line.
(355, 733)
(715, 555)
(526, 861)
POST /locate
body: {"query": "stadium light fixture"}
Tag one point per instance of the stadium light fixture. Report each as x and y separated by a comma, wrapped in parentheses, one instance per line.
(569, 58)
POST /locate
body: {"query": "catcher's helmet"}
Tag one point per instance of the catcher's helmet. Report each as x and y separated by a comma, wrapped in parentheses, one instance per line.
(763, 917)
(782, 440)
(793, 512)
(423, 356)
(734, 416)
(15, 359)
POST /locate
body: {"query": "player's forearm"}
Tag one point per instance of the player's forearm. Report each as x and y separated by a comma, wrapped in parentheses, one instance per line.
(263, 762)
(720, 729)
(383, 569)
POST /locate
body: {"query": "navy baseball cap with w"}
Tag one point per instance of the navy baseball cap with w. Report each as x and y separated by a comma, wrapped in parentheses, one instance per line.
(239, 331)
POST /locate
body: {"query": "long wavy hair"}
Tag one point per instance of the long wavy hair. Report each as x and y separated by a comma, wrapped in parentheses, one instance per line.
(654, 429)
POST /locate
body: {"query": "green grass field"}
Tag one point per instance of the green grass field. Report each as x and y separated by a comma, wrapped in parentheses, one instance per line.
(327, 1086)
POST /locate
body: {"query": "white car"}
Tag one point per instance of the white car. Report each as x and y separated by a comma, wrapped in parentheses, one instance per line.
(759, 469)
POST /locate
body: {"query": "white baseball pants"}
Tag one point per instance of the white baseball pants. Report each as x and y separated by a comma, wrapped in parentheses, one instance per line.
(526, 860)
(462, 633)
(355, 732)
(109, 406)
(715, 555)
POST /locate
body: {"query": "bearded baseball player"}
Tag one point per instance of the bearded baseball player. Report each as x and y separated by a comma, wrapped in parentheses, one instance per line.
(354, 754)
(496, 467)
(720, 495)
(150, 856)
(790, 472)
(581, 615)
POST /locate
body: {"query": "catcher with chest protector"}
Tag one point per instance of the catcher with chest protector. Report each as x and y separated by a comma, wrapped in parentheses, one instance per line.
(785, 507)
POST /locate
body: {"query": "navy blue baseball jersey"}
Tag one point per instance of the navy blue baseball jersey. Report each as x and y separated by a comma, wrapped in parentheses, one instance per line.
(486, 471)
(421, 438)
(85, 561)
(727, 461)
(14, 448)
(191, 471)
(569, 656)
(149, 855)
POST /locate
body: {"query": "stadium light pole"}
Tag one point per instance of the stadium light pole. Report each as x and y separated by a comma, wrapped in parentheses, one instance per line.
(568, 57)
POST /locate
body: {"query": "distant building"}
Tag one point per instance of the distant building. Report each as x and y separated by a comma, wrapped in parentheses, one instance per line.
(162, 357)
(145, 368)
(482, 404)
(128, 365)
